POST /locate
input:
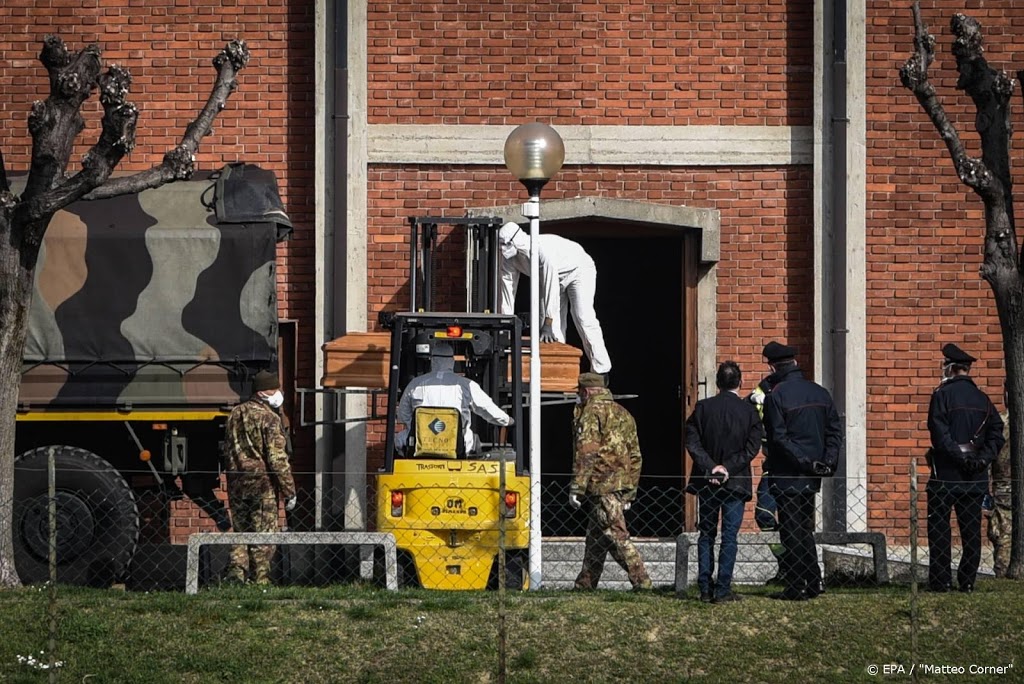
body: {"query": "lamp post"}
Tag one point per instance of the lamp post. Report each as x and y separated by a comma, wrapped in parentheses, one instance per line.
(534, 153)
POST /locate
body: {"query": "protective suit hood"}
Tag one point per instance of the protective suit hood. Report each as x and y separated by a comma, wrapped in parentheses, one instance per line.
(511, 235)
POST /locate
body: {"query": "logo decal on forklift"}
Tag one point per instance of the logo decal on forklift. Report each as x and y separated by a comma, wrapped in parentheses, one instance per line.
(437, 426)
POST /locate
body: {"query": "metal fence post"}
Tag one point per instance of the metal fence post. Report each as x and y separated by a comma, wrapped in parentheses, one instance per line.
(914, 616)
(51, 490)
(502, 632)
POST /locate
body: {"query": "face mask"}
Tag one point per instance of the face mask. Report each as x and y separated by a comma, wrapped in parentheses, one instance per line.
(275, 400)
(508, 251)
(947, 371)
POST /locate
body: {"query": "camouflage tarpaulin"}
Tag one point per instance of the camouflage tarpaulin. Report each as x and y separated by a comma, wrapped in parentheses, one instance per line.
(146, 299)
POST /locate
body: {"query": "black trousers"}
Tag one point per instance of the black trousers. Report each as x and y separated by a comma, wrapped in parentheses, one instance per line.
(796, 532)
(941, 501)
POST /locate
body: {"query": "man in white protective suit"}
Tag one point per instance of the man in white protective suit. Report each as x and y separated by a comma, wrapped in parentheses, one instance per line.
(567, 277)
(442, 387)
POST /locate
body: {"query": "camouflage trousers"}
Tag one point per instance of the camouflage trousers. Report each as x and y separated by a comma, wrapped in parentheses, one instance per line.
(252, 514)
(999, 535)
(606, 533)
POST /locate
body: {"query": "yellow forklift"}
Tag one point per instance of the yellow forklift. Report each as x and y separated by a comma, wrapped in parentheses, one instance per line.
(449, 506)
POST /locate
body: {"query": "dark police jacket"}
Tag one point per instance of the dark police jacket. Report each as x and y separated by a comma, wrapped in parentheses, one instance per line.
(723, 430)
(960, 413)
(802, 426)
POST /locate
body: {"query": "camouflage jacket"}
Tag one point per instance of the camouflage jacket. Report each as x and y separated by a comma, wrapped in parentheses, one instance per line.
(607, 452)
(1001, 468)
(255, 453)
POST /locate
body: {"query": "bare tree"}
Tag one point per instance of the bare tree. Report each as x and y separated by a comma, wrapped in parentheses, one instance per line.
(55, 123)
(989, 177)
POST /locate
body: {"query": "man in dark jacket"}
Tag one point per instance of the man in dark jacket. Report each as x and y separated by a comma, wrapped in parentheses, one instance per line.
(803, 437)
(723, 435)
(766, 510)
(966, 433)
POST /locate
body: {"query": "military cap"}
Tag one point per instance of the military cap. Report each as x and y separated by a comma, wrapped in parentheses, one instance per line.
(265, 380)
(442, 349)
(591, 380)
(955, 354)
(774, 351)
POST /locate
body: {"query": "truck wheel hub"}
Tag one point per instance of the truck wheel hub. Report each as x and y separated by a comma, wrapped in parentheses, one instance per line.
(75, 526)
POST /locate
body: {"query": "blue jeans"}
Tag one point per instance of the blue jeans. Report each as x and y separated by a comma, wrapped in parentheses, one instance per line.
(711, 502)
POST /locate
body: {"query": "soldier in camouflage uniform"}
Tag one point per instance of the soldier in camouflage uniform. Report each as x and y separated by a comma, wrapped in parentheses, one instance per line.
(606, 472)
(999, 516)
(256, 458)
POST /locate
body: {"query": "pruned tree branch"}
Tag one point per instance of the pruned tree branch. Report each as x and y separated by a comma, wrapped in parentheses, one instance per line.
(179, 163)
(990, 90)
(914, 76)
(989, 176)
(55, 122)
(118, 138)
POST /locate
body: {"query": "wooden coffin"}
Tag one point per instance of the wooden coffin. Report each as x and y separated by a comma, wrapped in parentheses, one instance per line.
(361, 360)
(358, 359)
(560, 366)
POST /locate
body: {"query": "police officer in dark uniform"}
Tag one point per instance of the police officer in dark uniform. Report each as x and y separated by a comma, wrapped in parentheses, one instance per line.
(803, 434)
(966, 434)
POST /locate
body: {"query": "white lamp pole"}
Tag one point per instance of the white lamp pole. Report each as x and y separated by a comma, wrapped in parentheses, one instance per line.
(534, 153)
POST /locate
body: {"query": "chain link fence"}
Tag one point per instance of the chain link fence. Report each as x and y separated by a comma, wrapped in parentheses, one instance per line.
(109, 533)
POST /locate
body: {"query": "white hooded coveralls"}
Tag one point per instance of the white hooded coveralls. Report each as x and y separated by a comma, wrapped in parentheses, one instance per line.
(567, 277)
(447, 389)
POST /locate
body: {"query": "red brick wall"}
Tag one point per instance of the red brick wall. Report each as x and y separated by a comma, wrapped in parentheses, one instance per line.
(924, 239)
(168, 48)
(611, 63)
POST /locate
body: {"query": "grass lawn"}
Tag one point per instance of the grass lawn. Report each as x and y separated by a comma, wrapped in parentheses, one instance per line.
(364, 634)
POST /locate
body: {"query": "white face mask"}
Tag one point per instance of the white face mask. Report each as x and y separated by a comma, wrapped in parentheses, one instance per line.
(276, 400)
(947, 371)
(508, 251)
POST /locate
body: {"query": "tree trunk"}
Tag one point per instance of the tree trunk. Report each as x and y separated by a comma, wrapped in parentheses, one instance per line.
(15, 298)
(1012, 320)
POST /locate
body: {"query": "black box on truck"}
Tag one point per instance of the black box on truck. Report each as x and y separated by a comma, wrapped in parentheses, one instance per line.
(151, 314)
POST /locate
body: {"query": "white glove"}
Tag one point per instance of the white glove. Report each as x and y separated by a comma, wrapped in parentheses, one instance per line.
(719, 475)
(626, 505)
(574, 500)
(547, 334)
(511, 421)
(289, 505)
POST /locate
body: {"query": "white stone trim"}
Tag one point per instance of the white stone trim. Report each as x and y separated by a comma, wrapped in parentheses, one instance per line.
(599, 145)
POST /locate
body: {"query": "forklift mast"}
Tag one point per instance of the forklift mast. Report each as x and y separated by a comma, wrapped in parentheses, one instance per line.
(482, 266)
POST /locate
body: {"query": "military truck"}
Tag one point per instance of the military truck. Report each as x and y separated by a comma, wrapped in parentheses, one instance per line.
(151, 314)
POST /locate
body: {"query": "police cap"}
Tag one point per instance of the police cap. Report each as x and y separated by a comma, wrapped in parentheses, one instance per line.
(265, 380)
(775, 352)
(591, 380)
(955, 354)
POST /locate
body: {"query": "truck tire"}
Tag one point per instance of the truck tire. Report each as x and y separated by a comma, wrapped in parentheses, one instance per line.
(97, 518)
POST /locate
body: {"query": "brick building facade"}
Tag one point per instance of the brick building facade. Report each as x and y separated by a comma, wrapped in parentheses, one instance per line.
(371, 112)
